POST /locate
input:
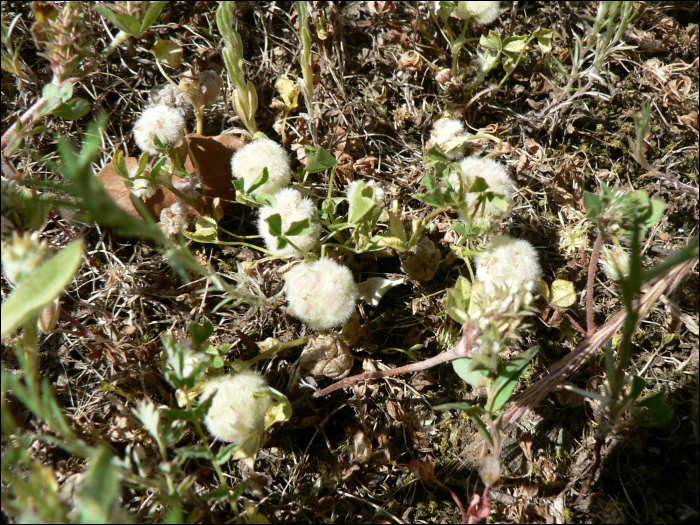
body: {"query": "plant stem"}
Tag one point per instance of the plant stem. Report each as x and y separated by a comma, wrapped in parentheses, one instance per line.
(460, 349)
(590, 326)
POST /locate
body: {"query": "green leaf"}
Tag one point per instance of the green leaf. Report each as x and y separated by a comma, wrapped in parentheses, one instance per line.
(259, 181)
(119, 164)
(201, 332)
(360, 206)
(73, 109)
(396, 227)
(499, 201)
(563, 294)
(167, 52)
(586, 393)
(491, 41)
(274, 223)
(435, 154)
(128, 24)
(544, 40)
(108, 14)
(656, 212)
(41, 288)
(96, 494)
(280, 411)
(299, 228)
(457, 300)
(515, 44)
(508, 378)
(205, 231)
(475, 413)
(151, 15)
(652, 411)
(463, 368)
(319, 160)
(592, 203)
(426, 199)
(478, 185)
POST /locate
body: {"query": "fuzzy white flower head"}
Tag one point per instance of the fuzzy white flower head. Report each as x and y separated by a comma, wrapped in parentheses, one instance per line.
(238, 405)
(495, 175)
(615, 262)
(166, 122)
(292, 207)
(22, 254)
(507, 261)
(248, 163)
(143, 189)
(482, 12)
(321, 294)
(444, 131)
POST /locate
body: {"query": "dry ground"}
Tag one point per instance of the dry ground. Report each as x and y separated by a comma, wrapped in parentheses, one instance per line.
(378, 104)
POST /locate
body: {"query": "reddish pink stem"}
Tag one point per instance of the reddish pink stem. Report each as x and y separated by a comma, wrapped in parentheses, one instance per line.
(461, 349)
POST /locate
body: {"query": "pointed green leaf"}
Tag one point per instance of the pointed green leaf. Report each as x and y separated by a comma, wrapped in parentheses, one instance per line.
(274, 223)
(299, 228)
(508, 378)
(42, 287)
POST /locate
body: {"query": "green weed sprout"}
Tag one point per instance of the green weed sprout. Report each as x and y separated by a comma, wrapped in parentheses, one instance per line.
(245, 98)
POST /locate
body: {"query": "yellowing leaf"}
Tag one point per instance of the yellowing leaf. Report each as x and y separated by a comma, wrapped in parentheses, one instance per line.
(280, 410)
(168, 52)
(289, 92)
(544, 290)
(562, 294)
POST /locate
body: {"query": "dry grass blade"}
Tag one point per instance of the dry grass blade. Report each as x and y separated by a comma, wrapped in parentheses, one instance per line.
(567, 365)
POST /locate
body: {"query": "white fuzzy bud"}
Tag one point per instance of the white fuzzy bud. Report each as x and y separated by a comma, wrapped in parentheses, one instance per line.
(248, 163)
(292, 207)
(507, 261)
(321, 294)
(22, 255)
(615, 262)
(161, 120)
(443, 133)
(143, 189)
(495, 176)
(482, 12)
(238, 405)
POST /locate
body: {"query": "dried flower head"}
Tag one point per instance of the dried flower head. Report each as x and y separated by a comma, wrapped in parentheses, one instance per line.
(615, 262)
(505, 261)
(497, 179)
(573, 238)
(22, 255)
(238, 406)
(61, 35)
(203, 88)
(248, 163)
(292, 207)
(170, 96)
(161, 120)
(322, 294)
(327, 356)
(421, 261)
(481, 12)
(175, 219)
(445, 130)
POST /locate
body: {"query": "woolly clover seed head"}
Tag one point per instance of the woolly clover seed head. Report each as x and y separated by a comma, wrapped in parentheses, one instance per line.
(482, 12)
(248, 163)
(165, 122)
(321, 294)
(505, 261)
(497, 179)
(23, 254)
(143, 189)
(444, 130)
(292, 207)
(615, 262)
(238, 405)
